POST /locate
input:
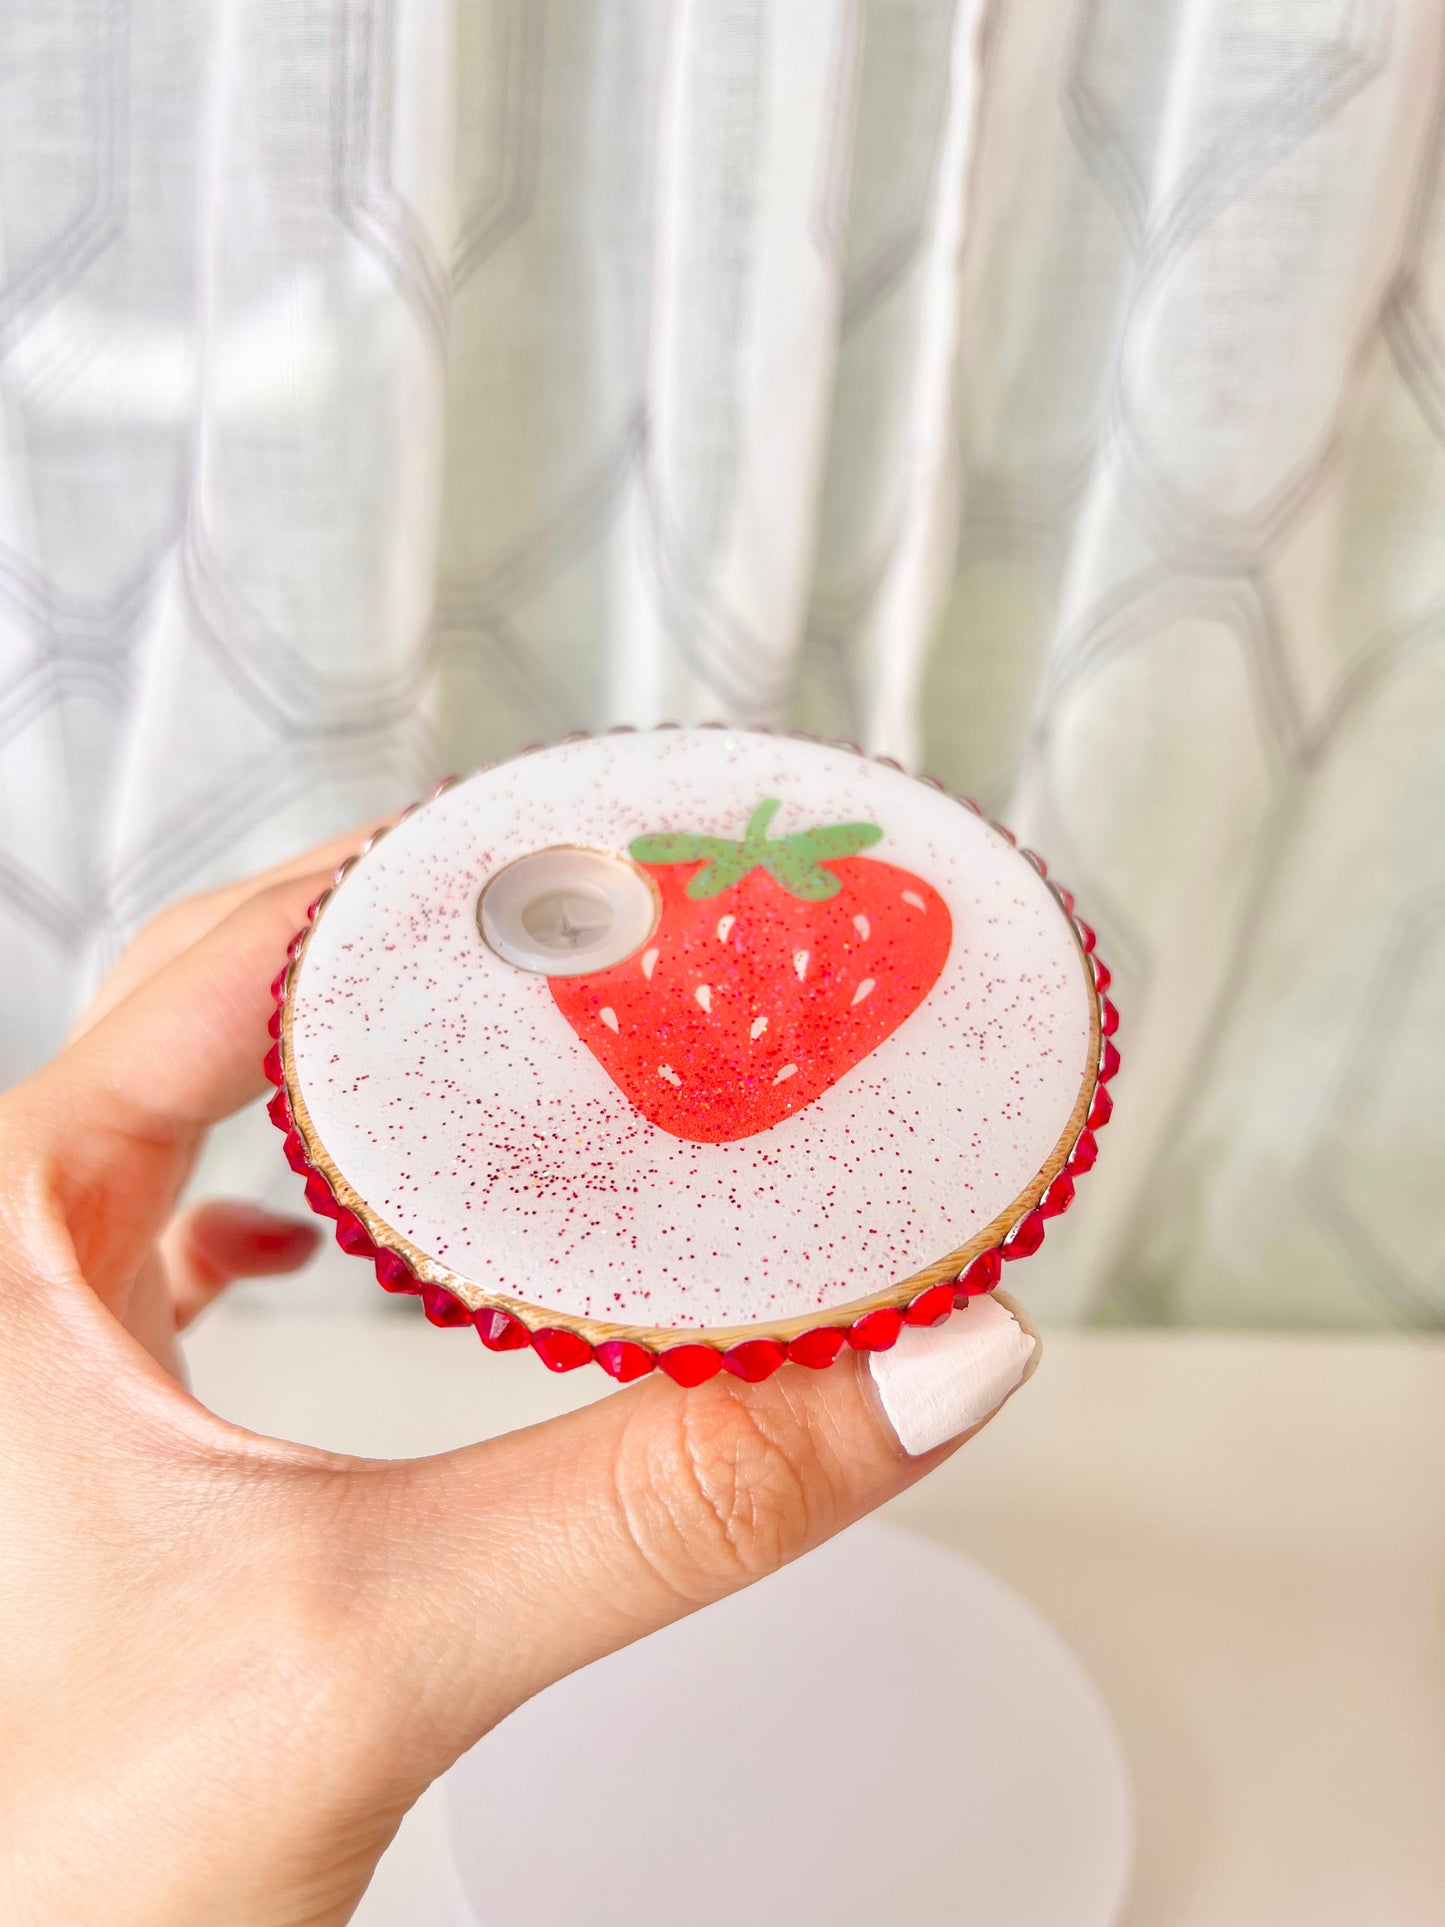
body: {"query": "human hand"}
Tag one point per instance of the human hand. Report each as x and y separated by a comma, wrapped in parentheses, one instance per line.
(228, 1664)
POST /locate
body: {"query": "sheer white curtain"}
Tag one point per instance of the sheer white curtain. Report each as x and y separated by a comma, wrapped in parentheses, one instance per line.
(1049, 393)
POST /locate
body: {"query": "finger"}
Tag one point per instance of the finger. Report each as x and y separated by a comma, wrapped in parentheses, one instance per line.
(514, 1562)
(185, 1048)
(224, 1239)
(110, 1128)
(182, 924)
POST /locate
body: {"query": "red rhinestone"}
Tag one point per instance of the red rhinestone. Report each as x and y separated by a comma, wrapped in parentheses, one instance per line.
(1103, 976)
(271, 1064)
(1108, 1062)
(1007, 835)
(981, 1276)
(273, 1022)
(561, 1351)
(1085, 1154)
(1059, 1196)
(393, 1273)
(352, 1235)
(1108, 1017)
(623, 1360)
(442, 1309)
(930, 1307)
(755, 1359)
(1086, 934)
(1066, 897)
(1102, 1108)
(294, 948)
(1037, 861)
(296, 1154)
(817, 1348)
(318, 1196)
(279, 1111)
(1026, 1237)
(315, 906)
(691, 1364)
(278, 984)
(875, 1331)
(500, 1332)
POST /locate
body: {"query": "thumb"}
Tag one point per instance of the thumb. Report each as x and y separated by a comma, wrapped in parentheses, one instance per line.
(513, 1562)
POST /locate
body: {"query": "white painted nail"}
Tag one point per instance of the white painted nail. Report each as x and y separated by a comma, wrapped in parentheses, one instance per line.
(934, 1384)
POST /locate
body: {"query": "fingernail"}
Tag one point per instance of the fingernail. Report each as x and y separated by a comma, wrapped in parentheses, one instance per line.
(934, 1384)
(278, 1236)
(261, 1230)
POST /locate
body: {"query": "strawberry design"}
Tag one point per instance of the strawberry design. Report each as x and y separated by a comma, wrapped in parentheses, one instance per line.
(776, 966)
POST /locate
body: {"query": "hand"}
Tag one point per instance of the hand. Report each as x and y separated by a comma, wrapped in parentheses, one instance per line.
(228, 1665)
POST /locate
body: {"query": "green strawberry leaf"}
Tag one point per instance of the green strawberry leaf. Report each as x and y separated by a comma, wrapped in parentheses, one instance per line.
(802, 878)
(679, 848)
(720, 876)
(795, 862)
(835, 839)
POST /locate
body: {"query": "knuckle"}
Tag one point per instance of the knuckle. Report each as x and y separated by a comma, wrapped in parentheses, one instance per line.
(726, 1490)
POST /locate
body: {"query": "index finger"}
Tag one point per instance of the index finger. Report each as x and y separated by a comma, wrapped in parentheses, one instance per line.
(111, 1126)
(175, 929)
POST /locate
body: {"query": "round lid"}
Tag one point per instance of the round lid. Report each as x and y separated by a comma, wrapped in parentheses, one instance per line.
(691, 1038)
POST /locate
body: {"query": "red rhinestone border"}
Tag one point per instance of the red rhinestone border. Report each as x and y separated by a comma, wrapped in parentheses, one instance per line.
(694, 1362)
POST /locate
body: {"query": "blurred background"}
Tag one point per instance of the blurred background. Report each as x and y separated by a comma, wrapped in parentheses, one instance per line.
(1050, 394)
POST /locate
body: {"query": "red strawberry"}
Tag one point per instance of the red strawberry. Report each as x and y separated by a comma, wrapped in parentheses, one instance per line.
(776, 966)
